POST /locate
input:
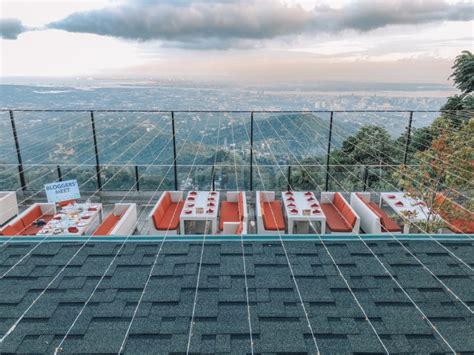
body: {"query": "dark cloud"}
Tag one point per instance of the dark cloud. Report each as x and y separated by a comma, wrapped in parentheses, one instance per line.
(205, 24)
(188, 21)
(10, 28)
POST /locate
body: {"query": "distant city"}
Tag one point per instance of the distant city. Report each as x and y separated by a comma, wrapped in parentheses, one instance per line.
(202, 138)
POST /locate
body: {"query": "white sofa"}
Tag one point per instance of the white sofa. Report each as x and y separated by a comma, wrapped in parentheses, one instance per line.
(126, 223)
(8, 206)
(267, 196)
(157, 213)
(23, 223)
(236, 227)
(370, 221)
(328, 198)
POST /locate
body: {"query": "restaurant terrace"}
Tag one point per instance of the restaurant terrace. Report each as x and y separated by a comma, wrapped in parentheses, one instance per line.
(150, 231)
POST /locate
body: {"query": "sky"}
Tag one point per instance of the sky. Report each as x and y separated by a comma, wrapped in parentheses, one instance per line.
(245, 40)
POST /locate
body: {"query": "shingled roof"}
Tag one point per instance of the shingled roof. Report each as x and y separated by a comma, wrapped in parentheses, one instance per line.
(221, 325)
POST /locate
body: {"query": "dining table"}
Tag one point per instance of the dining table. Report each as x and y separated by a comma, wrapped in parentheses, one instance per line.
(74, 219)
(200, 206)
(409, 209)
(302, 208)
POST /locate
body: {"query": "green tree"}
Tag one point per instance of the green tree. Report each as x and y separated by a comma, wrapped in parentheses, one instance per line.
(371, 145)
(463, 76)
(445, 168)
(463, 73)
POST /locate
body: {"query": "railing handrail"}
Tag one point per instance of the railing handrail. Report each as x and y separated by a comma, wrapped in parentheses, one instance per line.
(224, 111)
(53, 165)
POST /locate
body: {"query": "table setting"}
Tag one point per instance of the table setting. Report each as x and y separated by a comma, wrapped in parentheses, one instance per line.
(74, 219)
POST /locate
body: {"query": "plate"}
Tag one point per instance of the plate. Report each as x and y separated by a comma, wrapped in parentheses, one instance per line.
(188, 211)
(193, 193)
(190, 198)
(210, 210)
(190, 205)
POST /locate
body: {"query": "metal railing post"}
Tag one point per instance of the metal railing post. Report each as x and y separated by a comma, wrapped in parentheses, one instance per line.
(251, 152)
(329, 150)
(408, 141)
(137, 179)
(175, 164)
(96, 151)
(21, 172)
(60, 175)
(289, 178)
(213, 180)
(366, 177)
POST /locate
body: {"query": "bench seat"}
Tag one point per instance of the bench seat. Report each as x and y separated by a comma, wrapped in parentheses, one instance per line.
(272, 215)
(463, 223)
(24, 224)
(107, 225)
(169, 218)
(229, 213)
(334, 219)
(340, 218)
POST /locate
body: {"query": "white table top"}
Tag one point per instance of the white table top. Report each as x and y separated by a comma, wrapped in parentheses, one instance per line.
(202, 199)
(301, 203)
(77, 215)
(410, 204)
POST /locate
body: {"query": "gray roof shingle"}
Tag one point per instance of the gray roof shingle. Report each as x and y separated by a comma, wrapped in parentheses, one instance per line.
(221, 323)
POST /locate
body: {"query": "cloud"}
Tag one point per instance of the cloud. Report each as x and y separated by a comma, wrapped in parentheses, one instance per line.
(191, 21)
(10, 28)
(208, 24)
(368, 15)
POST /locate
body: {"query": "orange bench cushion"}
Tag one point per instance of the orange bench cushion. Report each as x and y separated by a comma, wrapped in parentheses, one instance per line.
(13, 229)
(107, 225)
(387, 224)
(334, 219)
(463, 224)
(32, 216)
(167, 218)
(344, 209)
(229, 213)
(25, 226)
(272, 216)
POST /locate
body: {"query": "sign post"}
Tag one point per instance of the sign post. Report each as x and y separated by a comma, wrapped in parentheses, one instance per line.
(62, 191)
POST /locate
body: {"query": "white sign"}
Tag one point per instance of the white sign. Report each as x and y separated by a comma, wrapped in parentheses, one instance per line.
(62, 191)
